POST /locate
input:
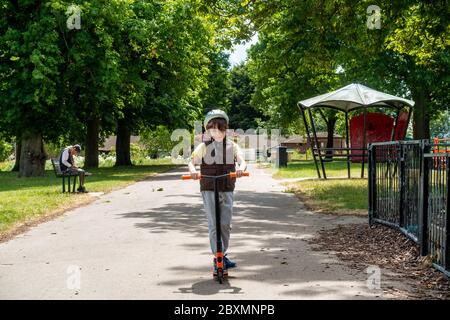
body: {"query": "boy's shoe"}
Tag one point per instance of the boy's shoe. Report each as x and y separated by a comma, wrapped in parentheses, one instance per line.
(225, 271)
(215, 266)
(82, 190)
(228, 263)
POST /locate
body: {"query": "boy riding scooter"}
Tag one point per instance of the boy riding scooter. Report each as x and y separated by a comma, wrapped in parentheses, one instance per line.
(218, 157)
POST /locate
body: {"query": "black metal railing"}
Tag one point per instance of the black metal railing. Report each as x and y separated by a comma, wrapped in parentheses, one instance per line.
(409, 190)
(436, 190)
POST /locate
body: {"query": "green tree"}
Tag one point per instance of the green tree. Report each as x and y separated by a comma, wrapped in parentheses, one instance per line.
(133, 64)
(215, 95)
(30, 66)
(293, 60)
(242, 113)
(440, 126)
(168, 65)
(407, 56)
(305, 43)
(94, 75)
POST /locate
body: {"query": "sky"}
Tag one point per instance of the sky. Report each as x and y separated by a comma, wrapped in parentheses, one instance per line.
(239, 52)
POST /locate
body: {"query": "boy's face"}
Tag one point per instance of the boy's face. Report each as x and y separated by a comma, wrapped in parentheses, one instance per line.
(217, 134)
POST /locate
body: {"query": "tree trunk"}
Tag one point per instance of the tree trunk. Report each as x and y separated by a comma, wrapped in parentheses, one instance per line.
(32, 156)
(91, 148)
(17, 154)
(421, 117)
(331, 122)
(123, 156)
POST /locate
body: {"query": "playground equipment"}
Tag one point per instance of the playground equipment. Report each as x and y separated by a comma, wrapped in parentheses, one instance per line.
(441, 147)
(348, 99)
(380, 127)
(221, 273)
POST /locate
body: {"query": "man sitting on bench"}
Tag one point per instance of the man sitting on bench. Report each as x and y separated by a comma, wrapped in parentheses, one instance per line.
(67, 164)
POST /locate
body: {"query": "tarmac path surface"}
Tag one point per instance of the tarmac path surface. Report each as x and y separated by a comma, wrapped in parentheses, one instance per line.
(140, 243)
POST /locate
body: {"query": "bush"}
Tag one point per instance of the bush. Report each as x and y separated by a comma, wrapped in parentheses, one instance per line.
(7, 166)
(137, 152)
(53, 150)
(6, 150)
(157, 142)
(106, 160)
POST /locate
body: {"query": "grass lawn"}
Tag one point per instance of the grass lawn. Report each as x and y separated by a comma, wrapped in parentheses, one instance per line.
(340, 196)
(307, 169)
(25, 200)
(337, 195)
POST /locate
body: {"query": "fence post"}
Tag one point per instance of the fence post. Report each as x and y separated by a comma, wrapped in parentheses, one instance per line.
(401, 159)
(423, 201)
(372, 182)
(447, 216)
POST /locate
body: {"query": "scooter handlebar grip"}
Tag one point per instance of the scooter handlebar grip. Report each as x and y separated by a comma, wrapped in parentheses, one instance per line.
(245, 173)
(188, 176)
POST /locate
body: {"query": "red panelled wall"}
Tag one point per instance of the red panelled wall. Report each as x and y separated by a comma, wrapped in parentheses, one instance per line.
(378, 128)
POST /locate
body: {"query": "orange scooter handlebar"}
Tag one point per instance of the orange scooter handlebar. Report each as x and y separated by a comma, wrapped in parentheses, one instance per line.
(231, 174)
(244, 174)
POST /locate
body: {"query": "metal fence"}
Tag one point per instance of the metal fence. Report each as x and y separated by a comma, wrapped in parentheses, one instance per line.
(409, 190)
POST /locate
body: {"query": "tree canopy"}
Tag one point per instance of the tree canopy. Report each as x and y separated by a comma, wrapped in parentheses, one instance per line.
(311, 47)
(78, 71)
(130, 64)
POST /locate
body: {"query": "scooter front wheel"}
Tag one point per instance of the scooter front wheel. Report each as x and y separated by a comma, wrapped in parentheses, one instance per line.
(220, 275)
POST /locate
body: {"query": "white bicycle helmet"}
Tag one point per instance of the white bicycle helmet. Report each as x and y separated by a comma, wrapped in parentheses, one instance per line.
(215, 114)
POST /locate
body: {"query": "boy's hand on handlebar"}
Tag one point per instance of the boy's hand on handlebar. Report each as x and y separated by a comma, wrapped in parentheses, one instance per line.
(195, 175)
(239, 173)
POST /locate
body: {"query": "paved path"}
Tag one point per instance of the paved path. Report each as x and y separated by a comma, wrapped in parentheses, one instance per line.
(140, 243)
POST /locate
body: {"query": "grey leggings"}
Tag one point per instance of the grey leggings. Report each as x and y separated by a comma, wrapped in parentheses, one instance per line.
(226, 212)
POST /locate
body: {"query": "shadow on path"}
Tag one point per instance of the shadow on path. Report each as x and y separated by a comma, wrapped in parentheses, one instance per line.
(267, 241)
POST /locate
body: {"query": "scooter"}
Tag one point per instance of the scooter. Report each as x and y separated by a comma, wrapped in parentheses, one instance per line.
(219, 254)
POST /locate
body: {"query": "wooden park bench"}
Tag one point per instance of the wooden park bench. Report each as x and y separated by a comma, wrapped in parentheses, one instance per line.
(64, 175)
